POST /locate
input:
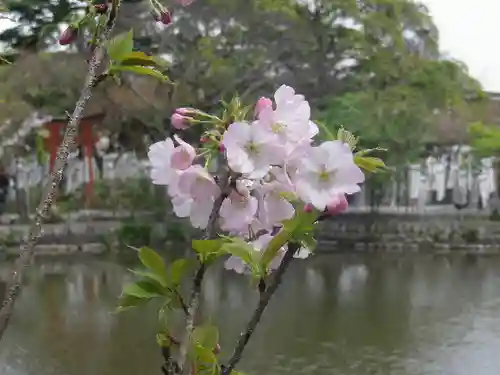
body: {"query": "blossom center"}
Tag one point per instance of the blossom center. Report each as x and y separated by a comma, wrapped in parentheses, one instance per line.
(252, 148)
(278, 127)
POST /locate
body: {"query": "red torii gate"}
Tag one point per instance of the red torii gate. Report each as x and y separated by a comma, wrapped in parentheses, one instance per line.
(85, 138)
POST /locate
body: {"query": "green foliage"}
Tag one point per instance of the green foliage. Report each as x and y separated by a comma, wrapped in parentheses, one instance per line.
(204, 339)
(398, 111)
(156, 282)
(485, 140)
(120, 46)
(124, 59)
(246, 252)
(299, 228)
(152, 261)
(208, 250)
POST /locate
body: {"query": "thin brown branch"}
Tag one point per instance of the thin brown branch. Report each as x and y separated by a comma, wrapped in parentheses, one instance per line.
(36, 232)
(264, 299)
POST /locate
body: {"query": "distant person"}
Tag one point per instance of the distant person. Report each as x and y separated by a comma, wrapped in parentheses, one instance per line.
(4, 189)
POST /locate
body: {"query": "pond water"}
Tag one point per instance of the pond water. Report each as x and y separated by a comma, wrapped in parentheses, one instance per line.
(335, 315)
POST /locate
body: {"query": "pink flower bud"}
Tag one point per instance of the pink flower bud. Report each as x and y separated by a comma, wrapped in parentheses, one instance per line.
(262, 103)
(179, 121)
(101, 8)
(308, 207)
(186, 111)
(68, 36)
(163, 15)
(203, 140)
(222, 148)
(166, 17)
(338, 205)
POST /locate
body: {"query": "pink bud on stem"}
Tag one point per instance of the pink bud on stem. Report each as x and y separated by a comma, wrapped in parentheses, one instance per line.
(68, 36)
(163, 16)
(179, 121)
(101, 8)
(337, 205)
(308, 207)
(262, 103)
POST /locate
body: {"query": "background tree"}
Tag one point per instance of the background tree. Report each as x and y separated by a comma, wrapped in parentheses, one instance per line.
(378, 56)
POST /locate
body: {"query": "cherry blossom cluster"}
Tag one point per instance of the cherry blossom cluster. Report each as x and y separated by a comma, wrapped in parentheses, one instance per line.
(271, 158)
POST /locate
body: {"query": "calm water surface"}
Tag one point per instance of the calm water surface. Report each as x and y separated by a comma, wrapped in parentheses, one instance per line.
(336, 315)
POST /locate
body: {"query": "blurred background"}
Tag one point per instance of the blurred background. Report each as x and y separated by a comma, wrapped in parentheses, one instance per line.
(376, 67)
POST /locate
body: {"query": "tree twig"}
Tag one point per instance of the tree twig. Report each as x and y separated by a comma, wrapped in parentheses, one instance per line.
(264, 299)
(194, 299)
(36, 232)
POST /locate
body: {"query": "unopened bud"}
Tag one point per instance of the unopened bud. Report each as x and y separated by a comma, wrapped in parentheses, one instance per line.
(179, 121)
(337, 205)
(262, 103)
(163, 15)
(101, 8)
(68, 36)
(203, 140)
(308, 207)
(186, 111)
(222, 148)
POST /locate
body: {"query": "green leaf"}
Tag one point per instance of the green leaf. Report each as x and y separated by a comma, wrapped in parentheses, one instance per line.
(150, 275)
(307, 240)
(120, 46)
(140, 59)
(127, 302)
(177, 270)
(206, 336)
(299, 227)
(153, 262)
(370, 151)
(369, 163)
(246, 252)
(145, 289)
(208, 250)
(141, 70)
(205, 356)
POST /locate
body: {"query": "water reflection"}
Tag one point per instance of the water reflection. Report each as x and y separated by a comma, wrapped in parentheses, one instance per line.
(337, 315)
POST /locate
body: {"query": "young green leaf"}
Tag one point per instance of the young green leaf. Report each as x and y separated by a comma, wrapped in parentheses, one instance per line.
(207, 336)
(177, 270)
(127, 302)
(150, 275)
(120, 46)
(205, 357)
(368, 151)
(140, 59)
(239, 248)
(208, 250)
(369, 163)
(152, 261)
(141, 70)
(145, 289)
(297, 228)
